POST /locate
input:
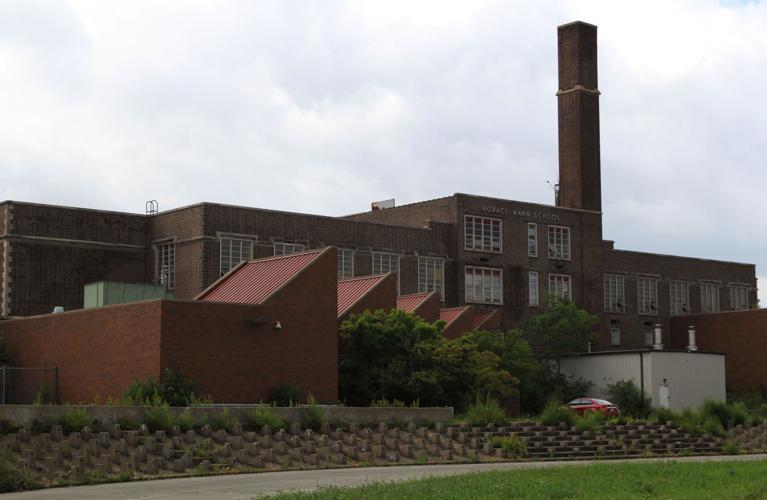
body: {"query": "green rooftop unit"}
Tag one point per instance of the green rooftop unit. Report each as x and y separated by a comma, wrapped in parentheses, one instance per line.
(107, 293)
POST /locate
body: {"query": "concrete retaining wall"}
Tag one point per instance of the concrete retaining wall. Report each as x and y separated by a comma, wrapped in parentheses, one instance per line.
(25, 415)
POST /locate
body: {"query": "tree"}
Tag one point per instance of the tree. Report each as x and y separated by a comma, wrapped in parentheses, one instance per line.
(562, 329)
(398, 355)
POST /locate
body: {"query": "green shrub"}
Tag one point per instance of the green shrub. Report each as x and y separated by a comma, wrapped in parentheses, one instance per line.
(12, 479)
(157, 418)
(129, 423)
(204, 450)
(663, 415)
(711, 426)
(285, 395)
(174, 390)
(629, 399)
(385, 403)
(6, 427)
(755, 420)
(556, 413)
(43, 395)
(485, 411)
(260, 417)
(224, 420)
(311, 417)
(75, 420)
(143, 393)
(730, 448)
(738, 414)
(513, 445)
(184, 421)
(728, 415)
(591, 421)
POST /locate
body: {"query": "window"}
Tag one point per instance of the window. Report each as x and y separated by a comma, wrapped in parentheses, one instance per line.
(234, 251)
(281, 248)
(532, 239)
(709, 297)
(385, 263)
(482, 234)
(559, 286)
(679, 296)
(431, 274)
(345, 262)
(484, 285)
(615, 333)
(614, 294)
(532, 280)
(738, 298)
(559, 242)
(166, 265)
(647, 296)
(649, 334)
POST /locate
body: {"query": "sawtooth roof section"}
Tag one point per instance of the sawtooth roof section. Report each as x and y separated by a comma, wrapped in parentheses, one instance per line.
(450, 314)
(352, 290)
(481, 318)
(256, 281)
(411, 302)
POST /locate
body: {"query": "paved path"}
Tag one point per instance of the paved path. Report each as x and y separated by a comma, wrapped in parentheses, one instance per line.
(246, 486)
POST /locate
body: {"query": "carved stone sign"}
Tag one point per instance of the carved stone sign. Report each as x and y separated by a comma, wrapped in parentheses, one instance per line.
(528, 214)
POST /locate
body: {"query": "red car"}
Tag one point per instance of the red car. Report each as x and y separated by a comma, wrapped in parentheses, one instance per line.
(583, 405)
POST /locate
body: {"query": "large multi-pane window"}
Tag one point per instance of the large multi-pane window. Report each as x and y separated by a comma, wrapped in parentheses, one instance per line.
(559, 242)
(532, 284)
(614, 296)
(385, 263)
(166, 265)
(709, 297)
(484, 285)
(738, 298)
(647, 296)
(482, 234)
(234, 251)
(679, 297)
(281, 248)
(345, 262)
(431, 275)
(560, 286)
(532, 239)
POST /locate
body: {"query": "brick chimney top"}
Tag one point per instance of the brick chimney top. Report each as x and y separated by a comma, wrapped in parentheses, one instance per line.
(578, 100)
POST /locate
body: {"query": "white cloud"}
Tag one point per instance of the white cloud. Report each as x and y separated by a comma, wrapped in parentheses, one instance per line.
(324, 107)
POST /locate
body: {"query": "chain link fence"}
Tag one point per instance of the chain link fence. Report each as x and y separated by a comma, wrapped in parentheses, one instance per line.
(23, 386)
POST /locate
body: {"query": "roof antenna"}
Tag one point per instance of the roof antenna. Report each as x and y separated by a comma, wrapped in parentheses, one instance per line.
(555, 187)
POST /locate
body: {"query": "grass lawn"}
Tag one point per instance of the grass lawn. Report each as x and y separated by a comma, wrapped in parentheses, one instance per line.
(688, 480)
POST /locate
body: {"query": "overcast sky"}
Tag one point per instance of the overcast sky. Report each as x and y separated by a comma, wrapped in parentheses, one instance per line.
(323, 107)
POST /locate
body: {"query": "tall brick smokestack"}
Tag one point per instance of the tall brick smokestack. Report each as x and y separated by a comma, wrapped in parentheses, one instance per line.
(580, 184)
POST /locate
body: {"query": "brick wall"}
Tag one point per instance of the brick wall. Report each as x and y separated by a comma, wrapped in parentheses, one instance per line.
(413, 214)
(239, 362)
(429, 308)
(53, 252)
(45, 275)
(98, 352)
(460, 325)
(740, 335)
(666, 268)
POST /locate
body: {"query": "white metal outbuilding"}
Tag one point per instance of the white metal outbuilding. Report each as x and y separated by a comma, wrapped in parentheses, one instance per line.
(671, 379)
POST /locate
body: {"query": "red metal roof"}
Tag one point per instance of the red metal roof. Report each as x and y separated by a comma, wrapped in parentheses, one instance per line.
(449, 314)
(255, 281)
(351, 290)
(411, 302)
